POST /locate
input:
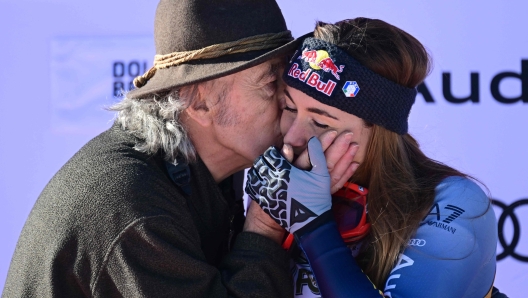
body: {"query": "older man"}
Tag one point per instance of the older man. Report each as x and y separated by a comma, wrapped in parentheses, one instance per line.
(147, 208)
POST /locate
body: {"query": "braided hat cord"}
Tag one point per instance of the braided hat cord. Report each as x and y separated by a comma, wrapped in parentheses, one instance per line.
(248, 44)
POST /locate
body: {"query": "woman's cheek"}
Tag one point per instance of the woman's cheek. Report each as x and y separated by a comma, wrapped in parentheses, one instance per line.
(363, 144)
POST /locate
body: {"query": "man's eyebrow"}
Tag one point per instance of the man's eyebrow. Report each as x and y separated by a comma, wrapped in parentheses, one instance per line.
(268, 74)
(313, 110)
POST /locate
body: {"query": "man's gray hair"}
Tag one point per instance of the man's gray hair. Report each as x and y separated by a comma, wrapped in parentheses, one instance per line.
(155, 121)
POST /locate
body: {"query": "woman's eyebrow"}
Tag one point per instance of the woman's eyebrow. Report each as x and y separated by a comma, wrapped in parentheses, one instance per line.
(322, 113)
(313, 110)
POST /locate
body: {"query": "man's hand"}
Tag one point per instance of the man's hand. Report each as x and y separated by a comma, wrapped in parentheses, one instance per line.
(257, 221)
(339, 154)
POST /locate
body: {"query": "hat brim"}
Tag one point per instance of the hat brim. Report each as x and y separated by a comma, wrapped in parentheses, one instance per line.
(203, 70)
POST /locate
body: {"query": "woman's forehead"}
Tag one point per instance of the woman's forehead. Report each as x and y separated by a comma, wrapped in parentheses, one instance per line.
(311, 105)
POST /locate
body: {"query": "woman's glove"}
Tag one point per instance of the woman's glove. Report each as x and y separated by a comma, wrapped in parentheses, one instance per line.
(291, 196)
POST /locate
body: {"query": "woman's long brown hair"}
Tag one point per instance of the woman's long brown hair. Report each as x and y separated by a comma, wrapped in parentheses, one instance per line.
(401, 180)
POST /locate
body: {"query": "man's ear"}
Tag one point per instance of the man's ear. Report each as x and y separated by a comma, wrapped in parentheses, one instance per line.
(199, 110)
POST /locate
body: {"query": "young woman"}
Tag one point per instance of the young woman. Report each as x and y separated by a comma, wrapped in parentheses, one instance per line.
(432, 229)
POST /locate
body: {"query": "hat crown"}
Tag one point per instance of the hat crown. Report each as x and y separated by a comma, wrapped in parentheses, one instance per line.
(186, 25)
(245, 33)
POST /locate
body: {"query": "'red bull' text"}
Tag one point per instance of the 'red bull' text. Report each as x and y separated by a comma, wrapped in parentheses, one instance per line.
(312, 79)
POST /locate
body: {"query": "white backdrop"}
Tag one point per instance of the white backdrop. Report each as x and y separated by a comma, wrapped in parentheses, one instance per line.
(62, 61)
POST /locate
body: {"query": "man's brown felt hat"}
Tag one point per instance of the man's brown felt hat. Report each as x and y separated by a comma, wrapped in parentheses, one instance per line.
(186, 25)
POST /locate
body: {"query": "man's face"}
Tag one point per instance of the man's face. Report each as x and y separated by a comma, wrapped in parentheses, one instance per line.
(247, 115)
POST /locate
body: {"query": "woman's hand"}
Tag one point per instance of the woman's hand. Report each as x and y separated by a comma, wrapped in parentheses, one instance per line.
(339, 154)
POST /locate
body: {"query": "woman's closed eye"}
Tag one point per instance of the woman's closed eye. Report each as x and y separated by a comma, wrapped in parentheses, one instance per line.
(291, 110)
(317, 124)
(320, 125)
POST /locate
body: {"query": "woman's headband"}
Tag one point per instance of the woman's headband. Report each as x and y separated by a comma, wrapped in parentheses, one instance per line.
(328, 74)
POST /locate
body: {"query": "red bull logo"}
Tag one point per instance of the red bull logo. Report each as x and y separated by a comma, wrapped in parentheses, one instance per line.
(309, 56)
(312, 79)
(319, 59)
